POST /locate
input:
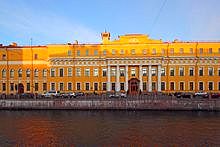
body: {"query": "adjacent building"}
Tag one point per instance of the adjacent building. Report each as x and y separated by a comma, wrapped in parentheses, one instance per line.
(133, 63)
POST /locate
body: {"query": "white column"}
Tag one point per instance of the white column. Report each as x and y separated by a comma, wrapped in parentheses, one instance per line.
(140, 77)
(149, 79)
(126, 78)
(159, 78)
(109, 78)
(117, 78)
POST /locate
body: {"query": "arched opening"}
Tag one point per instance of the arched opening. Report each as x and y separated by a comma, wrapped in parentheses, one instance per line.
(133, 86)
(20, 88)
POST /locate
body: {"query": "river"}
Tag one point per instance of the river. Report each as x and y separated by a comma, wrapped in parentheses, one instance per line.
(109, 128)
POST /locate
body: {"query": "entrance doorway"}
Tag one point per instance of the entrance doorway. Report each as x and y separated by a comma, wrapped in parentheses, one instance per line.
(20, 88)
(133, 86)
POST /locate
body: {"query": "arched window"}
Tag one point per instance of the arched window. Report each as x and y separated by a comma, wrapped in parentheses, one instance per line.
(44, 72)
(20, 73)
(28, 73)
(36, 73)
(12, 73)
(4, 73)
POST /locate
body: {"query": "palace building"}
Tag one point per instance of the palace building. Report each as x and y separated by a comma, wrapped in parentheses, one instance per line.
(132, 63)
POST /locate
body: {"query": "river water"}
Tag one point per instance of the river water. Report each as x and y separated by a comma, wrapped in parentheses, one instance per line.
(109, 128)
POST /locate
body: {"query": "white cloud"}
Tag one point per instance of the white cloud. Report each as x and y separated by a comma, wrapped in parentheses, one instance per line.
(43, 26)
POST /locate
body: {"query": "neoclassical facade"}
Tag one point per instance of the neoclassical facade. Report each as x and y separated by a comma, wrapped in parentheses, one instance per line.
(133, 63)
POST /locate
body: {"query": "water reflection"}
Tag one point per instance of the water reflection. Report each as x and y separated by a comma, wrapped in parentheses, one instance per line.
(151, 128)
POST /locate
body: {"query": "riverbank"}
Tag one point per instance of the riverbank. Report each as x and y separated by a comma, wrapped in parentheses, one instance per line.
(112, 104)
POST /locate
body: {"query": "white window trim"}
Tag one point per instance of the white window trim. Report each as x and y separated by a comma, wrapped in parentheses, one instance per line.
(174, 85)
(54, 72)
(59, 72)
(213, 85)
(51, 85)
(94, 85)
(89, 86)
(202, 84)
(174, 71)
(80, 86)
(184, 85)
(164, 85)
(68, 84)
(183, 71)
(193, 85)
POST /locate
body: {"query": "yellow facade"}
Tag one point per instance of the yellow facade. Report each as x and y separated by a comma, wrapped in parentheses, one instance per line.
(132, 63)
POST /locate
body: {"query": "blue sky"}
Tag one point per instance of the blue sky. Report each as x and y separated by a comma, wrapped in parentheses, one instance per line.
(62, 21)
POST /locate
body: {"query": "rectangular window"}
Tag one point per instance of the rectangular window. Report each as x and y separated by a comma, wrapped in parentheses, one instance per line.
(200, 71)
(70, 72)
(104, 52)
(122, 72)
(210, 85)
(181, 50)
(153, 86)
(162, 51)
(210, 70)
(78, 53)
(61, 86)
(144, 51)
(154, 71)
(113, 72)
(96, 72)
(87, 86)
(36, 86)
(3, 57)
(113, 86)
(87, 52)
(201, 50)
(78, 72)
(163, 71)
(191, 86)
(28, 88)
(104, 72)
(191, 71)
(61, 72)
(78, 86)
(113, 52)
(11, 86)
(44, 86)
(210, 50)
(162, 85)
(218, 85)
(219, 50)
(144, 85)
(3, 86)
(172, 51)
(133, 72)
(153, 51)
(144, 71)
(201, 86)
(52, 72)
(133, 51)
(172, 73)
(52, 86)
(181, 86)
(181, 71)
(95, 86)
(172, 87)
(219, 72)
(69, 86)
(69, 52)
(122, 86)
(191, 50)
(122, 52)
(104, 86)
(44, 72)
(87, 72)
(35, 56)
(95, 52)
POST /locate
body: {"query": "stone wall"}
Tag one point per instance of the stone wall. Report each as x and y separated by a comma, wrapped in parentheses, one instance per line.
(144, 104)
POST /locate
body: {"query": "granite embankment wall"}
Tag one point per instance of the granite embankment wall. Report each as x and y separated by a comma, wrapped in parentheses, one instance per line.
(120, 104)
